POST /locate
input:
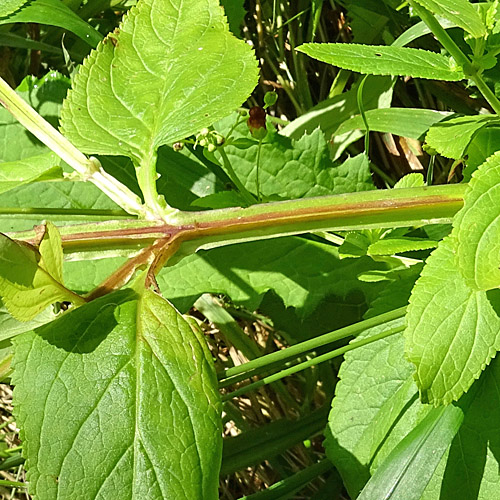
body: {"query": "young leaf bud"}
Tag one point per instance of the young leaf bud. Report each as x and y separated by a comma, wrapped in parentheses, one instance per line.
(270, 99)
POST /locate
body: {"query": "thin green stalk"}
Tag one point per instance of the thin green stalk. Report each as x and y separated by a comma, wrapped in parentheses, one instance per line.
(359, 97)
(66, 214)
(249, 198)
(309, 363)
(12, 484)
(89, 168)
(457, 54)
(293, 483)
(258, 365)
(257, 181)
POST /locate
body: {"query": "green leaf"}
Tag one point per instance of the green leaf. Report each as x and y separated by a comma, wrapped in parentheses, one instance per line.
(405, 473)
(132, 383)
(383, 60)
(9, 6)
(405, 122)
(13, 40)
(235, 13)
(55, 13)
(391, 246)
(331, 113)
(452, 332)
(51, 252)
(477, 228)
(294, 169)
(482, 146)
(371, 381)
(193, 76)
(16, 143)
(45, 95)
(374, 407)
(452, 137)
(246, 271)
(410, 180)
(25, 287)
(10, 327)
(34, 169)
(460, 12)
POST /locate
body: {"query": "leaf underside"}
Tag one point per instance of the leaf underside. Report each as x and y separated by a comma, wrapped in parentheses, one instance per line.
(194, 76)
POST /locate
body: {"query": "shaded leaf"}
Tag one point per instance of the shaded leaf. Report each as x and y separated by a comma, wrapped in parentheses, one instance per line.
(294, 169)
(33, 169)
(405, 473)
(246, 271)
(384, 60)
(114, 372)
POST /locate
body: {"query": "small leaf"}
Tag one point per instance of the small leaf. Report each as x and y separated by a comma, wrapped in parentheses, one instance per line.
(452, 332)
(477, 227)
(51, 252)
(459, 12)
(194, 76)
(405, 473)
(383, 60)
(25, 287)
(391, 246)
(34, 169)
(452, 137)
(410, 180)
(129, 381)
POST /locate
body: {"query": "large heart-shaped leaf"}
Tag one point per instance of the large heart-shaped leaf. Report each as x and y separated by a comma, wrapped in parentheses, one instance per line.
(171, 69)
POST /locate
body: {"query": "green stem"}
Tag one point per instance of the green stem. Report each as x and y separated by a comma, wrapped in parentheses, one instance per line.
(89, 168)
(362, 210)
(12, 484)
(311, 362)
(66, 214)
(146, 177)
(254, 367)
(457, 54)
(248, 197)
